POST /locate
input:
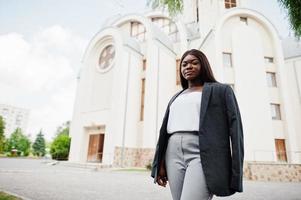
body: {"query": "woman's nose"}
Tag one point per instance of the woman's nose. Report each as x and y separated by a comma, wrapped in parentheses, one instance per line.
(189, 66)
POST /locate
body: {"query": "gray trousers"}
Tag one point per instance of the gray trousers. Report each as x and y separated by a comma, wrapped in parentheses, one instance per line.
(184, 169)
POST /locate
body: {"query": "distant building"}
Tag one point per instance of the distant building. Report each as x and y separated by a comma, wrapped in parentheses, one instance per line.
(131, 70)
(14, 118)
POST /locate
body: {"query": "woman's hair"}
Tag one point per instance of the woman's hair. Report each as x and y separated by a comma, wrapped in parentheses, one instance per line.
(205, 75)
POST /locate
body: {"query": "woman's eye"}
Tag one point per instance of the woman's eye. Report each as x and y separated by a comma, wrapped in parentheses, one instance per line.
(195, 63)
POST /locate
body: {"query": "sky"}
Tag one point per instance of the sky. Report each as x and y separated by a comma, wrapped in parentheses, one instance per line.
(42, 43)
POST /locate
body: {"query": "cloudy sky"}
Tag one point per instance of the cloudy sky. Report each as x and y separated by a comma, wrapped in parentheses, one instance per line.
(42, 43)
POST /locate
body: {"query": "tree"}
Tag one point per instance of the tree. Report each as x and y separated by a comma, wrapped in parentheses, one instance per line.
(39, 145)
(174, 6)
(60, 147)
(2, 136)
(64, 129)
(294, 13)
(18, 142)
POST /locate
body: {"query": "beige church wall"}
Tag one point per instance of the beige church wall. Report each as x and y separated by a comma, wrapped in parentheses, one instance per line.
(133, 100)
(208, 14)
(93, 97)
(160, 82)
(76, 147)
(270, 45)
(208, 47)
(109, 90)
(166, 82)
(118, 118)
(274, 92)
(288, 111)
(293, 68)
(125, 28)
(189, 10)
(250, 77)
(150, 96)
(97, 92)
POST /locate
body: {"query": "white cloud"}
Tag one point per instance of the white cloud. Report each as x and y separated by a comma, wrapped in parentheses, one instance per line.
(40, 74)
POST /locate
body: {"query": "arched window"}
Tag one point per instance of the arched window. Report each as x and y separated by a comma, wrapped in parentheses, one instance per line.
(138, 31)
(168, 27)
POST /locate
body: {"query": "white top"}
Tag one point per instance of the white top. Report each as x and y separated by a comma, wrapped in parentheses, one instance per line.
(184, 112)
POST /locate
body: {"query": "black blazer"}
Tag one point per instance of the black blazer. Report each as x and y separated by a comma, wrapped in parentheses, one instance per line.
(220, 139)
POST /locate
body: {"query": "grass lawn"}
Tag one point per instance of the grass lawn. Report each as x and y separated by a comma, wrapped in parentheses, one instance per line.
(4, 196)
(132, 170)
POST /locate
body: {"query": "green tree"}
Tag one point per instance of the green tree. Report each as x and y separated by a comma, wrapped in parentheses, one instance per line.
(39, 145)
(19, 142)
(174, 6)
(294, 14)
(2, 136)
(59, 149)
(64, 129)
(60, 146)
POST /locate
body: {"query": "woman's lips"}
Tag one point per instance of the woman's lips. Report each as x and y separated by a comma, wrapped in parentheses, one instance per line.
(188, 73)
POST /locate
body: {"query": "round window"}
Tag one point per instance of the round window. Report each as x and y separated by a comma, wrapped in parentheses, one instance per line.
(106, 57)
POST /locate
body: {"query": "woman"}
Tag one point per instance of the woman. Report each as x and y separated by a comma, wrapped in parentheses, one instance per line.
(200, 148)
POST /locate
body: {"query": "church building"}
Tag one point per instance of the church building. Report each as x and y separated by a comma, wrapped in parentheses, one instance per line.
(131, 70)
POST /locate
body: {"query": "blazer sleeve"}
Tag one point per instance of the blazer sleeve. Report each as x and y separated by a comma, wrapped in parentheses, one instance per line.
(155, 163)
(236, 137)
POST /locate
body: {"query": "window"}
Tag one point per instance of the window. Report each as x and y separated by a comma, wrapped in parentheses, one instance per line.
(178, 79)
(142, 99)
(138, 31)
(271, 79)
(227, 59)
(5, 111)
(106, 57)
(18, 120)
(275, 110)
(168, 27)
(268, 60)
(280, 150)
(230, 4)
(244, 20)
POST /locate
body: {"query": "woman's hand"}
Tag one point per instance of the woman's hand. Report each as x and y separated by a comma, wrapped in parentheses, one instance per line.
(162, 176)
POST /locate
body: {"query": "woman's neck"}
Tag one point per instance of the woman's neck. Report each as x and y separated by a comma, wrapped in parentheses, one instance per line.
(194, 84)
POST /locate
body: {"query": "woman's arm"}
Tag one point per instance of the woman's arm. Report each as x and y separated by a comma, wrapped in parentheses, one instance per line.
(162, 175)
(236, 136)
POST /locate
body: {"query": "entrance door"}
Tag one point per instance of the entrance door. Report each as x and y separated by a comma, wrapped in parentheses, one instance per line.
(280, 150)
(95, 148)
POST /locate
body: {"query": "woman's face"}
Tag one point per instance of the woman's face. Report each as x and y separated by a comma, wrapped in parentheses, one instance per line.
(190, 67)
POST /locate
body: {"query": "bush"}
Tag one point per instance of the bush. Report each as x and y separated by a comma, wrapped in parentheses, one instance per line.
(149, 165)
(59, 149)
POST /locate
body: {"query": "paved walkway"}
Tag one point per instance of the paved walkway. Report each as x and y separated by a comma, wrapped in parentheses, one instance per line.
(36, 180)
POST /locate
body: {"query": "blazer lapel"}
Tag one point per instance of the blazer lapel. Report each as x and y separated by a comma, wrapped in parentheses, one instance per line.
(204, 103)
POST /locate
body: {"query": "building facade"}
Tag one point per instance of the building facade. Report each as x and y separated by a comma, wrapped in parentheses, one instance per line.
(14, 117)
(130, 71)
